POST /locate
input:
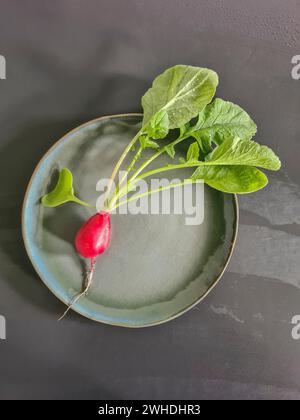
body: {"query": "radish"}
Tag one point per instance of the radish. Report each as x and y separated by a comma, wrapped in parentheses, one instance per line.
(220, 152)
(92, 239)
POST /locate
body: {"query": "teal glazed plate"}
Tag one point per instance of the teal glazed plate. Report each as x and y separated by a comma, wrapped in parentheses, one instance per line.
(157, 266)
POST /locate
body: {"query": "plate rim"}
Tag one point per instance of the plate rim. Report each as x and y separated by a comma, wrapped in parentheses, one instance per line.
(75, 309)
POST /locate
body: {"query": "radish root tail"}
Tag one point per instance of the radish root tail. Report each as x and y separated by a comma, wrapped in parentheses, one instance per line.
(86, 286)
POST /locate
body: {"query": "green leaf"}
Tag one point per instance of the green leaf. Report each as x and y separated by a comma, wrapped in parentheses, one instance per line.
(243, 152)
(193, 153)
(158, 126)
(232, 179)
(182, 92)
(63, 192)
(204, 141)
(231, 166)
(170, 150)
(220, 120)
(147, 143)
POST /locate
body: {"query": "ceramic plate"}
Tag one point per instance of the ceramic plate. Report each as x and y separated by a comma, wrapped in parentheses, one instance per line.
(156, 268)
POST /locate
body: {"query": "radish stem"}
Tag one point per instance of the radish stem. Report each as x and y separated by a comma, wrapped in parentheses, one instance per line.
(156, 155)
(83, 203)
(135, 158)
(120, 192)
(120, 161)
(136, 197)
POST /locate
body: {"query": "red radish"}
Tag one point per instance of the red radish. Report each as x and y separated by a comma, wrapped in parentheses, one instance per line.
(93, 238)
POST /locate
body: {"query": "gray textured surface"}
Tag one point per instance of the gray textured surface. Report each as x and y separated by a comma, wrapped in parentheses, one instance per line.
(68, 62)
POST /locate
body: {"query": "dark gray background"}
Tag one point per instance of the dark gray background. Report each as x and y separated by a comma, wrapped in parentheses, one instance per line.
(71, 61)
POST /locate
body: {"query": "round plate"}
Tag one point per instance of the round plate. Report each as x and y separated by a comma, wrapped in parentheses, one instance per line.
(156, 268)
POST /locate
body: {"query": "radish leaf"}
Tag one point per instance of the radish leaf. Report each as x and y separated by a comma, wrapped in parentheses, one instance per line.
(231, 166)
(204, 141)
(193, 153)
(232, 179)
(159, 125)
(238, 151)
(220, 120)
(147, 143)
(180, 91)
(63, 192)
(170, 151)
